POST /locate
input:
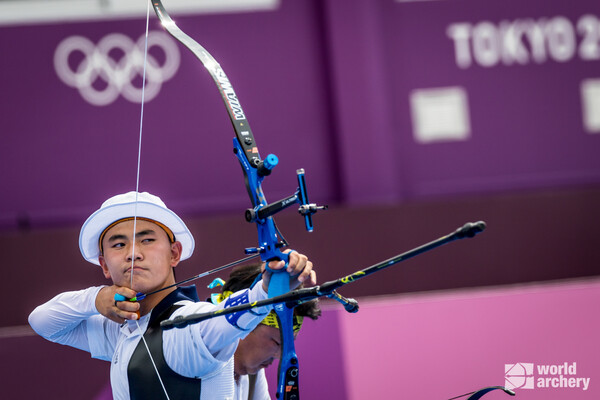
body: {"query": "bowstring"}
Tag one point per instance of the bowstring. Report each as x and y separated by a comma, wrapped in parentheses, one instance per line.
(137, 189)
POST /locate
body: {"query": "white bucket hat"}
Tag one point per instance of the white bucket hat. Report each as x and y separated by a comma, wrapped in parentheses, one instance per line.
(125, 206)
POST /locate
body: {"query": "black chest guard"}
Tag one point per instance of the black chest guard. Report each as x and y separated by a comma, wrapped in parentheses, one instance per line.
(143, 381)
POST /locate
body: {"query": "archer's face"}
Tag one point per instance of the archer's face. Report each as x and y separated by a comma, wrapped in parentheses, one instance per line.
(257, 350)
(153, 256)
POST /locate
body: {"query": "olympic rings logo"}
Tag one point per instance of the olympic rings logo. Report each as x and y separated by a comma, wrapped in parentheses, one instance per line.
(104, 71)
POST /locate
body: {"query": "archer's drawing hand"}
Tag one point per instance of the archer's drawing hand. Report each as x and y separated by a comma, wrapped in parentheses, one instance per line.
(117, 311)
(299, 267)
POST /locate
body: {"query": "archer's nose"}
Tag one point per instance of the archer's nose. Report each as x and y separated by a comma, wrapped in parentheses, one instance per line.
(136, 254)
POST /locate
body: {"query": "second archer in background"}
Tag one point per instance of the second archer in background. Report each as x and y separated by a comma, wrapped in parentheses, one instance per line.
(263, 345)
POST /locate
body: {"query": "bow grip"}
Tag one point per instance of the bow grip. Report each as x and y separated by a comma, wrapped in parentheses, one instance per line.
(287, 382)
(280, 278)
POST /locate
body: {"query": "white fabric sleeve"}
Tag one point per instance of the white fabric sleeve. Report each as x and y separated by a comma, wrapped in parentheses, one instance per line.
(68, 318)
(202, 349)
(261, 387)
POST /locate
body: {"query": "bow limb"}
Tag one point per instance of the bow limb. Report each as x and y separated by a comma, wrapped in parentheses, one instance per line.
(476, 395)
(480, 393)
(234, 109)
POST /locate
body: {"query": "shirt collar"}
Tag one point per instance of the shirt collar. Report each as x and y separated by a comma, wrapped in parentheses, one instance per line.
(181, 293)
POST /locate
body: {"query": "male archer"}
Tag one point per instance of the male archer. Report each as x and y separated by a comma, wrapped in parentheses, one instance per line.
(195, 362)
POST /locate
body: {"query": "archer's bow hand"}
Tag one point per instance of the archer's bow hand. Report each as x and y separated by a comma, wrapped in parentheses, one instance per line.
(299, 267)
(117, 311)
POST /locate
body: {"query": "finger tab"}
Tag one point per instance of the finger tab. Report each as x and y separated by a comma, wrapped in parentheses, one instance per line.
(119, 297)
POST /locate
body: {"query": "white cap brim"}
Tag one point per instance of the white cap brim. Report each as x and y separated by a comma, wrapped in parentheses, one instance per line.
(101, 219)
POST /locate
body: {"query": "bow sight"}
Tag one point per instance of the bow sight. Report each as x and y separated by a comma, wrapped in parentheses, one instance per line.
(306, 209)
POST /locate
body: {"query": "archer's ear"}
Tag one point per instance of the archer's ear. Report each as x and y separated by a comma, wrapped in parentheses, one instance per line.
(105, 270)
(176, 250)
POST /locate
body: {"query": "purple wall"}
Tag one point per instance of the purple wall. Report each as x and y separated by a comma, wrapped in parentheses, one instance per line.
(74, 154)
(379, 101)
(524, 95)
(445, 344)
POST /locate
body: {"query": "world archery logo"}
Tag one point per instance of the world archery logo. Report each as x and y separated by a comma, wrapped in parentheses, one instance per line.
(556, 376)
(518, 376)
(103, 72)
